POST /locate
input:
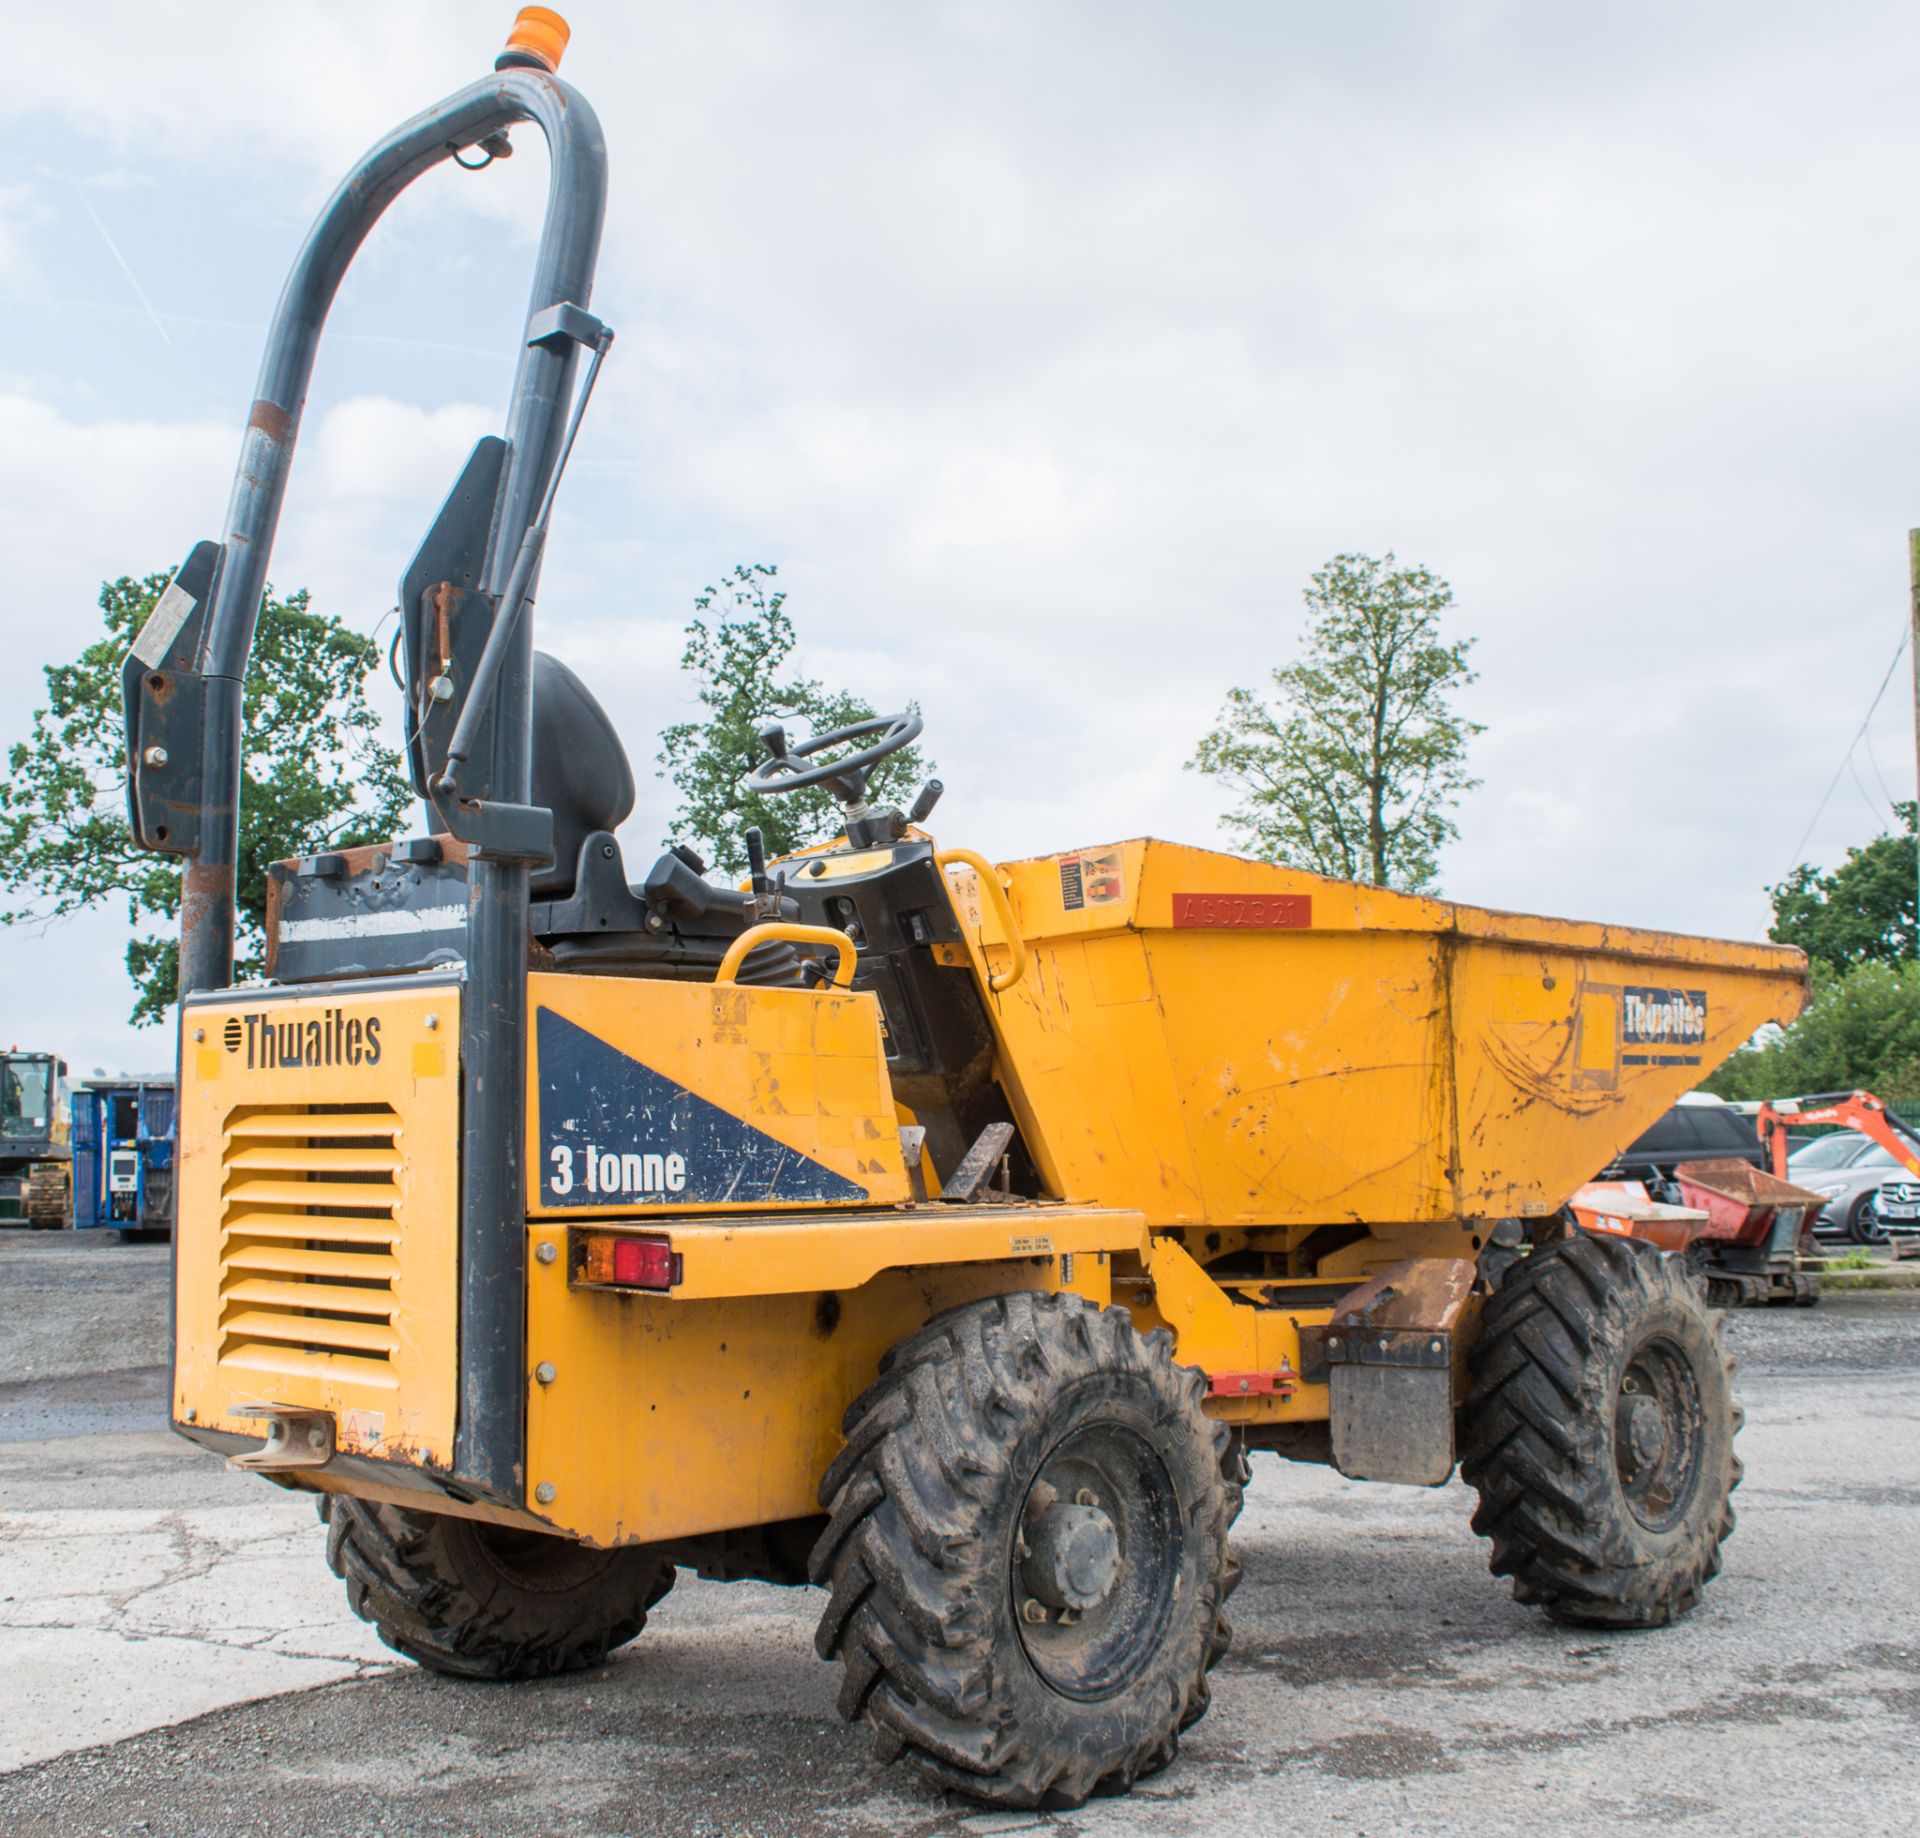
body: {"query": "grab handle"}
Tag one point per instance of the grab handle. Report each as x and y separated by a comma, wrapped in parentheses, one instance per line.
(776, 931)
(1000, 980)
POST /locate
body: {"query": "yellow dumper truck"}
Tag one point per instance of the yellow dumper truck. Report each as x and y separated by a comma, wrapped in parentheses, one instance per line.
(940, 1232)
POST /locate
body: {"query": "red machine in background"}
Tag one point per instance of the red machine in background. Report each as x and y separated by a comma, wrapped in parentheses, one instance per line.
(1740, 1227)
(1737, 1226)
(1850, 1110)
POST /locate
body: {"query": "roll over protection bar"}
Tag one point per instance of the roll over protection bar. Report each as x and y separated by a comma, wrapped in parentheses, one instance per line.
(563, 276)
(184, 679)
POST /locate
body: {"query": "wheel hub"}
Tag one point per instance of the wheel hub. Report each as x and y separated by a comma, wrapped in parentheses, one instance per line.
(1073, 1556)
(1643, 1431)
(1657, 1433)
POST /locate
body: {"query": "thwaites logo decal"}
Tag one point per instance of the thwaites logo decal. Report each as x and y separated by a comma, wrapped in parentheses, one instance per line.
(331, 1038)
(1662, 1024)
(614, 1132)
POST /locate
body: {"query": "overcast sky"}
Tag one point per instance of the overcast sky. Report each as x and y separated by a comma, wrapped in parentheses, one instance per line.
(1047, 349)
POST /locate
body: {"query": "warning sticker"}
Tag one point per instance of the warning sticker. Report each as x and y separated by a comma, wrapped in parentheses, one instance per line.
(1091, 880)
(1035, 1244)
(363, 1429)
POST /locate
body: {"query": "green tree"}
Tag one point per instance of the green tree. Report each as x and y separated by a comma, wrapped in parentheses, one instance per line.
(314, 776)
(739, 646)
(1860, 1032)
(1863, 912)
(1353, 765)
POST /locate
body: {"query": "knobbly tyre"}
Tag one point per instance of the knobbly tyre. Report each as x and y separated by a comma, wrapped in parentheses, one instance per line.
(941, 1233)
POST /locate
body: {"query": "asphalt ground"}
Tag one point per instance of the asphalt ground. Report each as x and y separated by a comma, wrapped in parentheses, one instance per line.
(175, 1658)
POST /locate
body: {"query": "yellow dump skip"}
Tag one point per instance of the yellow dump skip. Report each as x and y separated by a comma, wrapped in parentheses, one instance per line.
(1232, 1043)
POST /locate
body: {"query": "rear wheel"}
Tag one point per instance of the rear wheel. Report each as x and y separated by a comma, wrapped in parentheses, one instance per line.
(486, 1601)
(1599, 1433)
(1027, 1554)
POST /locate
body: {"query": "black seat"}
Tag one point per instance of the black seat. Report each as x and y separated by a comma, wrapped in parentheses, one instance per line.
(585, 914)
(580, 771)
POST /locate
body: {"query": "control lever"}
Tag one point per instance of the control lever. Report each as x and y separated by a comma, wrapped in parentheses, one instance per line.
(928, 798)
(766, 902)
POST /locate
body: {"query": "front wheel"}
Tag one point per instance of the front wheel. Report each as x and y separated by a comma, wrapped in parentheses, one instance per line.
(487, 1601)
(1864, 1224)
(1028, 1551)
(1599, 1432)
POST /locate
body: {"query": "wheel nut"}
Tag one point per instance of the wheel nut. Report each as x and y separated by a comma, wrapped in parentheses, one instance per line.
(1032, 1613)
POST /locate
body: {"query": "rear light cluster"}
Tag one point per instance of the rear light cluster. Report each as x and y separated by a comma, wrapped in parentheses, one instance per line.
(618, 1260)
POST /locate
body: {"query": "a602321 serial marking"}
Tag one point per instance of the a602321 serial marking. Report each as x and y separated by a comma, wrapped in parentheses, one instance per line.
(1284, 912)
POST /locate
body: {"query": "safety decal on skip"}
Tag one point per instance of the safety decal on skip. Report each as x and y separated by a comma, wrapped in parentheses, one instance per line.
(1091, 880)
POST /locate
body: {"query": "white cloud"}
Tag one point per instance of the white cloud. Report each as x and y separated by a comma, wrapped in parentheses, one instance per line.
(1049, 350)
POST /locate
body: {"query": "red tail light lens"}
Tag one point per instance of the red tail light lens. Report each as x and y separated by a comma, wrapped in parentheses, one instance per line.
(623, 1262)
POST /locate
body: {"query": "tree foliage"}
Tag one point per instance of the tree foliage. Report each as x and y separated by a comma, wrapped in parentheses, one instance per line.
(1862, 912)
(314, 776)
(740, 647)
(1354, 763)
(1861, 1032)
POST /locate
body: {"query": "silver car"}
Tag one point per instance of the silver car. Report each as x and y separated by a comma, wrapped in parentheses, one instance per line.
(1850, 1169)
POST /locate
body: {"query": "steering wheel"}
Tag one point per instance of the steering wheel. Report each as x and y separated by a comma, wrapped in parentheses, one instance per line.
(848, 774)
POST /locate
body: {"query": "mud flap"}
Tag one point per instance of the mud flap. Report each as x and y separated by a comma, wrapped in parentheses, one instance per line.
(1392, 1412)
(1392, 1363)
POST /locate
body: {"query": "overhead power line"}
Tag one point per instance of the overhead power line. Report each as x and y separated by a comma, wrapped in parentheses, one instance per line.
(1839, 772)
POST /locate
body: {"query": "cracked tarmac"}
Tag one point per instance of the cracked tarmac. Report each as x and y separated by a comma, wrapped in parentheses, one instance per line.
(175, 1657)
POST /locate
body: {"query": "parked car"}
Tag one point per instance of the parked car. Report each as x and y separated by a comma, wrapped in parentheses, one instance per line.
(1850, 1169)
(1693, 1131)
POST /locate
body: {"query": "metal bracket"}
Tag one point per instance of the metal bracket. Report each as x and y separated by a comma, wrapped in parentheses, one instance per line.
(164, 697)
(1278, 1384)
(1345, 1344)
(977, 1165)
(913, 1141)
(295, 1439)
(555, 325)
(503, 832)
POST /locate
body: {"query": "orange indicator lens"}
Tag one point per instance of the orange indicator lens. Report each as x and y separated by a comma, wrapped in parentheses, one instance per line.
(541, 33)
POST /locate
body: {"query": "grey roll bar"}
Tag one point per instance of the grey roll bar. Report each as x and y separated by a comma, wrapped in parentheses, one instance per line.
(563, 275)
(188, 666)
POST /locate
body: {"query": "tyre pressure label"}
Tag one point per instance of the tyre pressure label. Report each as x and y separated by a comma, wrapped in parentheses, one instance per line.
(1662, 1023)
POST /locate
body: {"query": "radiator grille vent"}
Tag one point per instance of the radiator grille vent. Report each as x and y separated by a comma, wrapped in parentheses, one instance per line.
(310, 1229)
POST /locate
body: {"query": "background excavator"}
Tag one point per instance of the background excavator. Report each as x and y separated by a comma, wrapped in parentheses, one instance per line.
(36, 1159)
(1898, 1202)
